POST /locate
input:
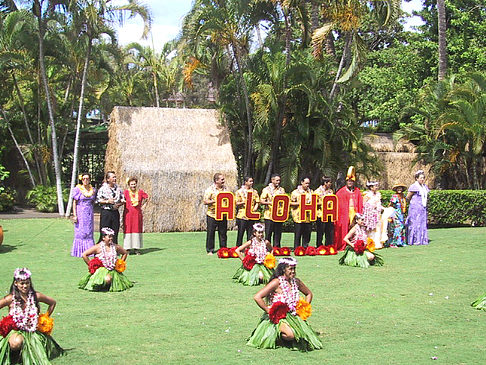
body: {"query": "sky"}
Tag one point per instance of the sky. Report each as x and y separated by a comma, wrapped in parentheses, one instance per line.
(168, 15)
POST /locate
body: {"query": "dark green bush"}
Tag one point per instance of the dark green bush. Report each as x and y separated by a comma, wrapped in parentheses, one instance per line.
(44, 198)
(7, 199)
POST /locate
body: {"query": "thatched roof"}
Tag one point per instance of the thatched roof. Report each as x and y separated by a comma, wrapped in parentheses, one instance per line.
(398, 161)
(174, 153)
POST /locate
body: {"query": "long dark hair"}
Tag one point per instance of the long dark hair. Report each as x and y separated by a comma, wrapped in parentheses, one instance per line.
(279, 271)
(16, 293)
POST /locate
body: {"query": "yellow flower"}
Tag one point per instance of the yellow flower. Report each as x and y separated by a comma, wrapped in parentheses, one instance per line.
(303, 309)
(120, 265)
(370, 244)
(45, 324)
(269, 261)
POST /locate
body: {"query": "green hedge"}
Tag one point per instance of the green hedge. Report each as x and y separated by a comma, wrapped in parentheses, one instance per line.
(452, 207)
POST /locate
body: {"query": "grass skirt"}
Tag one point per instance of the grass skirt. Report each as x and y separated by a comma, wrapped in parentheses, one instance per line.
(480, 303)
(267, 335)
(251, 277)
(37, 349)
(350, 258)
(96, 281)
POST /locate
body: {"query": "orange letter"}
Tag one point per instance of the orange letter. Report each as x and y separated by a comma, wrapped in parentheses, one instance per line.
(225, 205)
(280, 208)
(330, 208)
(311, 207)
(250, 214)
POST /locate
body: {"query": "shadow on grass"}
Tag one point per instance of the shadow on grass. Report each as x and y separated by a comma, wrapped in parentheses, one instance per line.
(145, 251)
(7, 248)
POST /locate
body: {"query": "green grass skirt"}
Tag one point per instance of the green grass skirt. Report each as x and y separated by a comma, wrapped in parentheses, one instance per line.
(480, 303)
(267, 335)
(96, 281)
(251, 277)
(37, 349)
(350, 258)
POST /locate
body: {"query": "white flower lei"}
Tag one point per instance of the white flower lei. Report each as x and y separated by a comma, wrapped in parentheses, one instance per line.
(290, 293)
(25, 319)
(108, 258)
(258, 249)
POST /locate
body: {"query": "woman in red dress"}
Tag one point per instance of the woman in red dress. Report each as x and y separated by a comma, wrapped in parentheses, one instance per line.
(132, 216)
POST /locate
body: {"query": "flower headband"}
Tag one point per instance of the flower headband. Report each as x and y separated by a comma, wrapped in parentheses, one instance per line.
(258, 227)
(22, 274)
(288, 261)
(107, 231)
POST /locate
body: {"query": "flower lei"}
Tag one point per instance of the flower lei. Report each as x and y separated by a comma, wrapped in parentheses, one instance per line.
(290, 293)
(273, 190)
(360, 234)
(85, 192)
(108, 258)
(307, 193)
(25, 319)
(322, 191)
(258, 249)
(133, 198)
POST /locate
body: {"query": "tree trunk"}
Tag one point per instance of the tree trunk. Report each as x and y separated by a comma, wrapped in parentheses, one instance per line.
(441, 15)
(55, 154)
(157, 103)
(341, 65)
(78, 128)
(18, 147)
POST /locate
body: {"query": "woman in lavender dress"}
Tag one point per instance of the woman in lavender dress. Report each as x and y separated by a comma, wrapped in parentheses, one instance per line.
(417, 212)
(83, 201)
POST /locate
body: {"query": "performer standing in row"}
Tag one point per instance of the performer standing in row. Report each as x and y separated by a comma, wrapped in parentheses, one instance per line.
(266, 199)
(350, 202)
(372, 212)
(242, 221)
(132, 216)
(84, 196)
(303, 228)
(323, 228)
(110, 198)
(212, 224)
(417, 211)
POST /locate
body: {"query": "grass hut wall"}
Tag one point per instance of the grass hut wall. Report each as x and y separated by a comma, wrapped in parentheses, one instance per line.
(397, 161)
(174, 153)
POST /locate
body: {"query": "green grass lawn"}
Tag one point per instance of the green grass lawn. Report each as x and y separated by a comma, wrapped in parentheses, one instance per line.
(184, 308)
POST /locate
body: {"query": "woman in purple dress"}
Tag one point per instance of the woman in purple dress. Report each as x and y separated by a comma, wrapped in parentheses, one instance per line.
(83, 201)
(417, 212)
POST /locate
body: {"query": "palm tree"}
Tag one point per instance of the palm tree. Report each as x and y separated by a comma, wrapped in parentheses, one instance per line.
(442, 34)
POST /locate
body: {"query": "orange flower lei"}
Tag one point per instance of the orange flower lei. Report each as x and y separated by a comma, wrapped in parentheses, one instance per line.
(120, 265)
(370, 244)
(269, 261)
(45, 324)
(87, 193)
(133, 198)
(303, 309)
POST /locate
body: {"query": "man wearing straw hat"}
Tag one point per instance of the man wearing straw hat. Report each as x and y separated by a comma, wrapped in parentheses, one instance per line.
(350, 202)
(212, 223)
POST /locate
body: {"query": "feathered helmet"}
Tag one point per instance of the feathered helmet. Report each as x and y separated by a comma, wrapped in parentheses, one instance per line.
(351, 175)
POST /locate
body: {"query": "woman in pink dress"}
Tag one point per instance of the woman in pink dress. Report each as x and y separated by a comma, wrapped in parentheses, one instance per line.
(132, 216)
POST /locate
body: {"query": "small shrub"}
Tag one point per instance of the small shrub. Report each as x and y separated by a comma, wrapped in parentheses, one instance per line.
(44, 198)
(7, 198)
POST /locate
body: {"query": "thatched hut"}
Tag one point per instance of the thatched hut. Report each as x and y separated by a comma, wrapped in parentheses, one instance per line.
(174, 153)
(398, 161)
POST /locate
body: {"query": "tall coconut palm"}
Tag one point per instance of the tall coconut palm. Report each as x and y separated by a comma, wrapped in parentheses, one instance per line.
(442, 34)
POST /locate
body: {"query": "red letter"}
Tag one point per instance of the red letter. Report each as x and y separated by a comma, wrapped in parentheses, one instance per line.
(311, 207)
(249, 206)
(281, 202)
(330, 208)
(225, 205)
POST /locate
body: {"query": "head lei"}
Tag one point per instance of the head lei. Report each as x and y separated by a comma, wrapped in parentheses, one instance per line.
(351, 175)
(288, 261)
(22, 273)
(258, 227)
(107, 231)
(371, 183)
(358, 216)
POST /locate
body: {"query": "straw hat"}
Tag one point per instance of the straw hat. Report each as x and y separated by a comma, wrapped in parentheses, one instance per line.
(396, 186)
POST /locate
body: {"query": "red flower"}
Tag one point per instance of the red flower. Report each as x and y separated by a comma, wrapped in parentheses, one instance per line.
(278, 311)
(299, 251)
(94, 264)
(285, 251)
(310, 251)
(6, 325)
(232, 252)
(322, 250)
(359, 247)
(249, 262)
(223, 253)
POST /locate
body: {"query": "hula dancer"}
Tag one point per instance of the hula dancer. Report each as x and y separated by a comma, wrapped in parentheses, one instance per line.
(359, 249)
(26, 332)
(480, 303)
(257, 266)
(284, 321)
(105, 270)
